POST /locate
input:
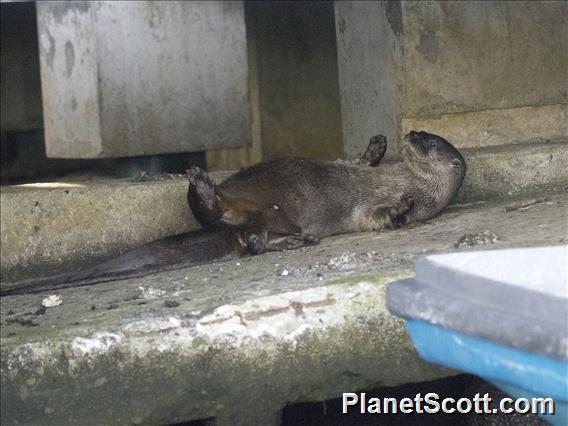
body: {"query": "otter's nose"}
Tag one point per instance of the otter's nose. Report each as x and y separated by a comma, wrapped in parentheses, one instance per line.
(414, 136)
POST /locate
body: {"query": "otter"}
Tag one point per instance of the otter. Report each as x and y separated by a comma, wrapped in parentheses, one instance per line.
(287, 203)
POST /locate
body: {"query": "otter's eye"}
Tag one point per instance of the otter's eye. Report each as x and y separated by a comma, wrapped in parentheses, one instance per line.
(433, 144)
(456, 162)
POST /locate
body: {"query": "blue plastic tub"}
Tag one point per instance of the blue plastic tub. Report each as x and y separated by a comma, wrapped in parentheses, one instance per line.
(501, 315)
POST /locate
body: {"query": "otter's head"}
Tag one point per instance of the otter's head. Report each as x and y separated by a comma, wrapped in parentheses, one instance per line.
(427, 153)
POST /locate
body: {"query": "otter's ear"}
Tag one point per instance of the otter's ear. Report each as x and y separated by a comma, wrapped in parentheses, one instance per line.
(456, 162)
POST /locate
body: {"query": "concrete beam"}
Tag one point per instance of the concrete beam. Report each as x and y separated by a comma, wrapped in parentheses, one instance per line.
(143, 78)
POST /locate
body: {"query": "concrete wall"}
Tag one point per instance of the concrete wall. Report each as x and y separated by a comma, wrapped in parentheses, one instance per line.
(479, 73)
(473, 68)
(471, 56)
(297, 77)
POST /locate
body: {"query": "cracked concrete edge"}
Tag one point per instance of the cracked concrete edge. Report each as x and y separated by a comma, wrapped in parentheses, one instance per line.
(311, 344)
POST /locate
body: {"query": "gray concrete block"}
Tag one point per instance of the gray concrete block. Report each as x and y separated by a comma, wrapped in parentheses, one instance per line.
(52, 227)
(142, 78)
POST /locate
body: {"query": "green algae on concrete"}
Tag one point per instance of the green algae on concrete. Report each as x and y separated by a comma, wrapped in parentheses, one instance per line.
(304, 345)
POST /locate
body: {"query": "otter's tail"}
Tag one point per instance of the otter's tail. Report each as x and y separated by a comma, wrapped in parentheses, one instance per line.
(175, 252)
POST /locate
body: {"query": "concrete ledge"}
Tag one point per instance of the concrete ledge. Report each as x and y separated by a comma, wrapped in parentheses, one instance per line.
(475, 129)
(50, 230)
(63, 224)
(502, 172)
(203, 342)
(172, 365)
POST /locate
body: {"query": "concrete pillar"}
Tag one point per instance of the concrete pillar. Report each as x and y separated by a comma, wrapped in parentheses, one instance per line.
(368, 55)
(143, 78)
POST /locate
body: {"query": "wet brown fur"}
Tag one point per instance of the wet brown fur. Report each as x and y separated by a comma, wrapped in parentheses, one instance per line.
(291, 202)
(303, 199)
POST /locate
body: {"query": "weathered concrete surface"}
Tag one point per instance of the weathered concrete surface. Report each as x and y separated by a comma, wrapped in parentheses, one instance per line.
(505, 171)
(49, 230)
(142, 78)
(300, 325)
(472, 56)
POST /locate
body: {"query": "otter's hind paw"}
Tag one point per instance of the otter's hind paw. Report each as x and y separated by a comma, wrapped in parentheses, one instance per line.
(202, 197)
(199, 178)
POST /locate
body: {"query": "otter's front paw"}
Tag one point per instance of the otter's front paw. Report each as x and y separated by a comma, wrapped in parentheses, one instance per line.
(398, 214)
(310, 240)
(278, 242)
(375, 151)
(255, 243)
